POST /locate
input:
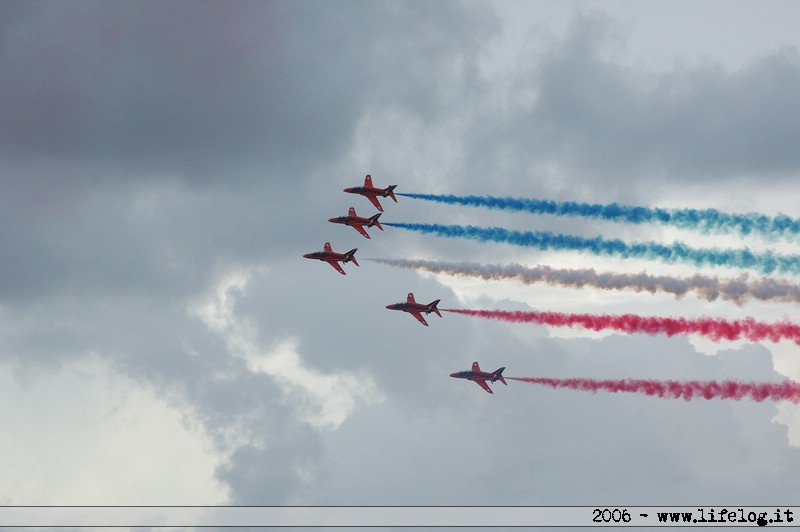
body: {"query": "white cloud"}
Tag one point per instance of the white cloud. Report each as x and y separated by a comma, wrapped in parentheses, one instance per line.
(323, 400)
(87, 435)
(785, 361)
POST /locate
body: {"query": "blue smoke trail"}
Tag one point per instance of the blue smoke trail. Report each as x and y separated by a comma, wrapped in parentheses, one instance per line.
(705, 220)
(766, 262)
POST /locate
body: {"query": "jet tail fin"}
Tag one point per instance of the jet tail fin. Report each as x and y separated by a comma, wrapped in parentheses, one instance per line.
(432, 307)
(390, 192)
(350, 256)
(498, 375)
(374, 221)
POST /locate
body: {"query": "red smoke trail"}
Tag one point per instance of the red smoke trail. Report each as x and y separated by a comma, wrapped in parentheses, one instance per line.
(757, 391)
(714, 328)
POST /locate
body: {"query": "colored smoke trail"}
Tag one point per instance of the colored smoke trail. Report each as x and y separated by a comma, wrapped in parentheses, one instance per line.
(766, 262)
(695, 219)
(669, 389)
(737, 290)
(714, 328)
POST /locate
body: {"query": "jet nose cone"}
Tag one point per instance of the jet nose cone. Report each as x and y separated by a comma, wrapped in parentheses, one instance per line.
(454, 374)
(332, 220)
(349, 189)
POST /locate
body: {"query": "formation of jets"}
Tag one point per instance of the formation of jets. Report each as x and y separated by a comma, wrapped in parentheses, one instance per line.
(372, 193)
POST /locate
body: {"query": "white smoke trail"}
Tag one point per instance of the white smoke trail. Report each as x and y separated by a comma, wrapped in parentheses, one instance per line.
(738, 290)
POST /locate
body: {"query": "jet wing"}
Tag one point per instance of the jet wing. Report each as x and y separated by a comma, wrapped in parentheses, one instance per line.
(420, 318)
(337, 266)
(360, 229)
(375, 202)
(485, 386)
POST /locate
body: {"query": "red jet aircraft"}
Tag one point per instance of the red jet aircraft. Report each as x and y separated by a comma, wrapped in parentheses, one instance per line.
(372, 193)
(481, 377)
(357, 222)
(333, 258)
(416, 309)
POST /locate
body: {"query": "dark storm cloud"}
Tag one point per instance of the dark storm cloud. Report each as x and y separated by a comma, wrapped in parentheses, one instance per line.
(177, 86)
(601, 121)
(112, 116)
(184, 86)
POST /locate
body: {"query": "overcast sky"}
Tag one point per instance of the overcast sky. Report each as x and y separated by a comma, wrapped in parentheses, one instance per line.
(164, 167)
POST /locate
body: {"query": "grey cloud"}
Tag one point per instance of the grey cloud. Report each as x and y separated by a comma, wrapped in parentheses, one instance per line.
(198, 88)
(113, 114)
(269, 475)
(176, 87)
(151, 147)
(530, 445)
(601, 122)
(189, 367)
(181, 141)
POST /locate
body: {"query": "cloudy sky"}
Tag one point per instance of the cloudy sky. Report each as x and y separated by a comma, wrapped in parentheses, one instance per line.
(164, 166)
